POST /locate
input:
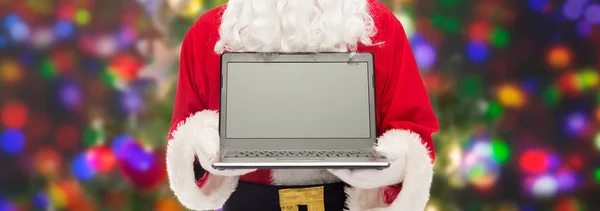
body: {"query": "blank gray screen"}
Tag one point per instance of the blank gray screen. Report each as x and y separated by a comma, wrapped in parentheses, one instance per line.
(297, 100)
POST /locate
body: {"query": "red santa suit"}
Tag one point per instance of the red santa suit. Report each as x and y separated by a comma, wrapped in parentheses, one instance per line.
(405, 121)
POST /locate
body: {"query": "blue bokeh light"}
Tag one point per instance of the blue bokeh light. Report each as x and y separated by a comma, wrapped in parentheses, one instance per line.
(13, 141)
(41, 201)
(64, 29)
(478, 52)
(82, 168)
(537, 5)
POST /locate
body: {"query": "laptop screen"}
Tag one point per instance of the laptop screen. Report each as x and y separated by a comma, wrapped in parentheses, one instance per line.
(297, 100)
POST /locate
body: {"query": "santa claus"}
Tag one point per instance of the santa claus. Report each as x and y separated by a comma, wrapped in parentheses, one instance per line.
(405, 119)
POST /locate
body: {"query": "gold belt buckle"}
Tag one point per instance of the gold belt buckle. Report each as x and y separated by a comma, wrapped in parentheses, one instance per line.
(312, 198)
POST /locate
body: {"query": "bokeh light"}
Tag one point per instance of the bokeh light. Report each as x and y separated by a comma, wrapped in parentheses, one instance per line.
(592, 13)
(6, 205)
(41, 201)
(597, 141)
(425, 52)
(10, 71)
(559, 56)
(12, 141)
(125, 66)
(584, 28)
(93, 136)
(478, 52)
(500, 151)
(137, 157)
(82, 167)
(407, 24)
(545, 186)
(570, 83)
(567, 180)
(597, 174)
(119, 142)
(568, 204)
(48, 161)
(14, 114)
(511, 96)
(588, 78)
(82, 17)
(537, 5)
(575, 123)
(482, 161)
(43, 38)
(57, 196)
(479, 31)
(167, 204)
(573, 9)
(70, 94)
(535, 161)
(64, 29)
(500, 38)
(101, 159)
(131, 101)
(17, 28)
(48, 69)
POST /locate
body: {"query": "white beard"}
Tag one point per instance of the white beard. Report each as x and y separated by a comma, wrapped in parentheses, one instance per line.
(295, 26)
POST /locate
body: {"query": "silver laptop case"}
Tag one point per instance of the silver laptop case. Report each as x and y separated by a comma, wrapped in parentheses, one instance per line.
(297, 110)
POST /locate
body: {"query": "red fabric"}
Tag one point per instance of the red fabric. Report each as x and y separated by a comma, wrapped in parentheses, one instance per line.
(402, 101)
(390, 193)
(202, 180)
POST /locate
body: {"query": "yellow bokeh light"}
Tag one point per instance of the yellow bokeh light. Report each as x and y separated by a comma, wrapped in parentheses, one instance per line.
(431, 207)
(455, 157)
(510, 96)
(57, 196)
(407, 23)
(10, 71)
(192, 9)
(589, 78)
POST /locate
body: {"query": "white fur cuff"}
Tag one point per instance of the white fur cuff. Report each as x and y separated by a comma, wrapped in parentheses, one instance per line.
(180, 158)
(418, 175)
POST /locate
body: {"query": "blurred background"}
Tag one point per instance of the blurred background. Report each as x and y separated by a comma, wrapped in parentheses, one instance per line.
(86, 92)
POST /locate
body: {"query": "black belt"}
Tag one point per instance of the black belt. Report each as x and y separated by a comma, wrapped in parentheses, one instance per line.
(257, 197)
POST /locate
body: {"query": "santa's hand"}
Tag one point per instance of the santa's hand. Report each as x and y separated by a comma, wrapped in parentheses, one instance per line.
(207, 151)
(395, 151)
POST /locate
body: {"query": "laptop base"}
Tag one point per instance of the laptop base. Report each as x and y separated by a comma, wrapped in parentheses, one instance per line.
(302, 163)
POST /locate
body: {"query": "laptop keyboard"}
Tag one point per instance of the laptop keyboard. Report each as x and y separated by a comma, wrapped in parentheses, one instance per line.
(295, 153)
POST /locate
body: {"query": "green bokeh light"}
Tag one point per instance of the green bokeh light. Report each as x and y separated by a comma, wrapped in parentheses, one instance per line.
(93, 136)
(471, 86)
(500, 38)
(495, 110)
(500, 151)
(551, 96)
(447, 24)
(48, 69)
(109, 77)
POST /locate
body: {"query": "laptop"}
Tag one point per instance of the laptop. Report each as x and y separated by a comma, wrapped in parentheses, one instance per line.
(297, 110)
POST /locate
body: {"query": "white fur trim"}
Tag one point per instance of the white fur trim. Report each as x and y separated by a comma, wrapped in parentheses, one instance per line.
(180, 157)
(302, 177)
(418, 175)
